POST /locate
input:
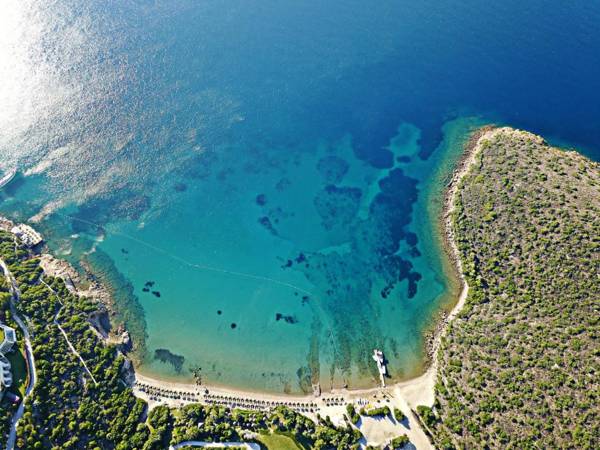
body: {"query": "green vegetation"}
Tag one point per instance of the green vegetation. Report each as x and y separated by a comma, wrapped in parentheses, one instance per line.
(519, 367)
(6, 413)
(399, 415)
(375, 412)
(19, 369)
(352, 414)
(399, 442)
(278, 442)
(68, 410)
(427, 416)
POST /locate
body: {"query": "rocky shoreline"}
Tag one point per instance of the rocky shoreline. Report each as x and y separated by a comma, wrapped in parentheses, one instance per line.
(85, 285)
(433, 336)
(462, 167)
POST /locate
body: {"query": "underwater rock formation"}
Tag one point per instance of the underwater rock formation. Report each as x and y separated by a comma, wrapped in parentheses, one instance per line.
(337, 206)
(165, 356)
(286, 318)
(266, 222)
(333, 169)
(125, 204)
(261, 199)
(180, 187)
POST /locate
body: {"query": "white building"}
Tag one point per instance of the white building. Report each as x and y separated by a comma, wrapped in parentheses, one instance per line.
(380, 360)
(6, 346)
(28, 235)
(5, 374)
(9, 339)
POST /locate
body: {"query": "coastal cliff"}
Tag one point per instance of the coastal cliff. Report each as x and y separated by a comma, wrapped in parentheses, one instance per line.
(518, 367)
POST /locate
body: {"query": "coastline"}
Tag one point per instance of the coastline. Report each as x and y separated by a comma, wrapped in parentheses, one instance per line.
(411, 387)
(82, 285)
(445, 235)
(421, 390)
(405, 395)
(415, 391)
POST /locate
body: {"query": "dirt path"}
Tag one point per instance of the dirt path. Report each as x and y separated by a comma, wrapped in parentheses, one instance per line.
(73, 350)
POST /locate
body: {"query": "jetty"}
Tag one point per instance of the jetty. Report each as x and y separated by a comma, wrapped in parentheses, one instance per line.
(7, 178)
(380, 360)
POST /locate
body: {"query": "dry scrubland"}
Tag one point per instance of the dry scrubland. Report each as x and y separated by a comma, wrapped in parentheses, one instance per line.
(520, 366)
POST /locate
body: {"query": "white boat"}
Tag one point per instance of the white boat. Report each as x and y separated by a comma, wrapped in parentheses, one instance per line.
(7, 178)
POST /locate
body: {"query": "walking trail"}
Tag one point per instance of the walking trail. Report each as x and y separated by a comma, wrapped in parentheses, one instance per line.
(73, 350)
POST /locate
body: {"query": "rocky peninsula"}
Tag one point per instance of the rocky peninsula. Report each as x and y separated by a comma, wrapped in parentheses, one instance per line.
(518, 367)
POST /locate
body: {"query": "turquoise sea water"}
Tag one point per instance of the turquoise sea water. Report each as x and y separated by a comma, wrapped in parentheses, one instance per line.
(255, 180)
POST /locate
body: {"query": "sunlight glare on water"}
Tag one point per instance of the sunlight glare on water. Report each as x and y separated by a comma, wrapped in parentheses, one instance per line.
(20, 80)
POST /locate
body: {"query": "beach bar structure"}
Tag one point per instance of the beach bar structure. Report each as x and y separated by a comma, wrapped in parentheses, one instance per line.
(28, 235)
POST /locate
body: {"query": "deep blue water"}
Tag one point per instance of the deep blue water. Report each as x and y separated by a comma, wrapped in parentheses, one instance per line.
(245, 155)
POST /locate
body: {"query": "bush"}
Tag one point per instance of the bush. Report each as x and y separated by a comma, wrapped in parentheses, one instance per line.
(375, 412)
(426, 413)
(352, 414)
(399, 442)
(399, 415)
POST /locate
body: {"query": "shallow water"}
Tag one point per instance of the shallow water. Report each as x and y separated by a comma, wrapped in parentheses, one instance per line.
(256, 181)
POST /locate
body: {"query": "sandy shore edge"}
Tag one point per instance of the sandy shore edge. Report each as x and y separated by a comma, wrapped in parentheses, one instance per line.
(416, 391)
(406, 395)
(421, 390)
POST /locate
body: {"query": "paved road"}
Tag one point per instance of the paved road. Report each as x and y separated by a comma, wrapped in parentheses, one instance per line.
(16, 296)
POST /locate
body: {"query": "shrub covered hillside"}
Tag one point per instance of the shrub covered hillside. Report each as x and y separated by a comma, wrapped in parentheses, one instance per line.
(520, 366)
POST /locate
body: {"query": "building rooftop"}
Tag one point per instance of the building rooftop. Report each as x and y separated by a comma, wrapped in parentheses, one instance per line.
(5, 374)
(28, 235)
(8, 338)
